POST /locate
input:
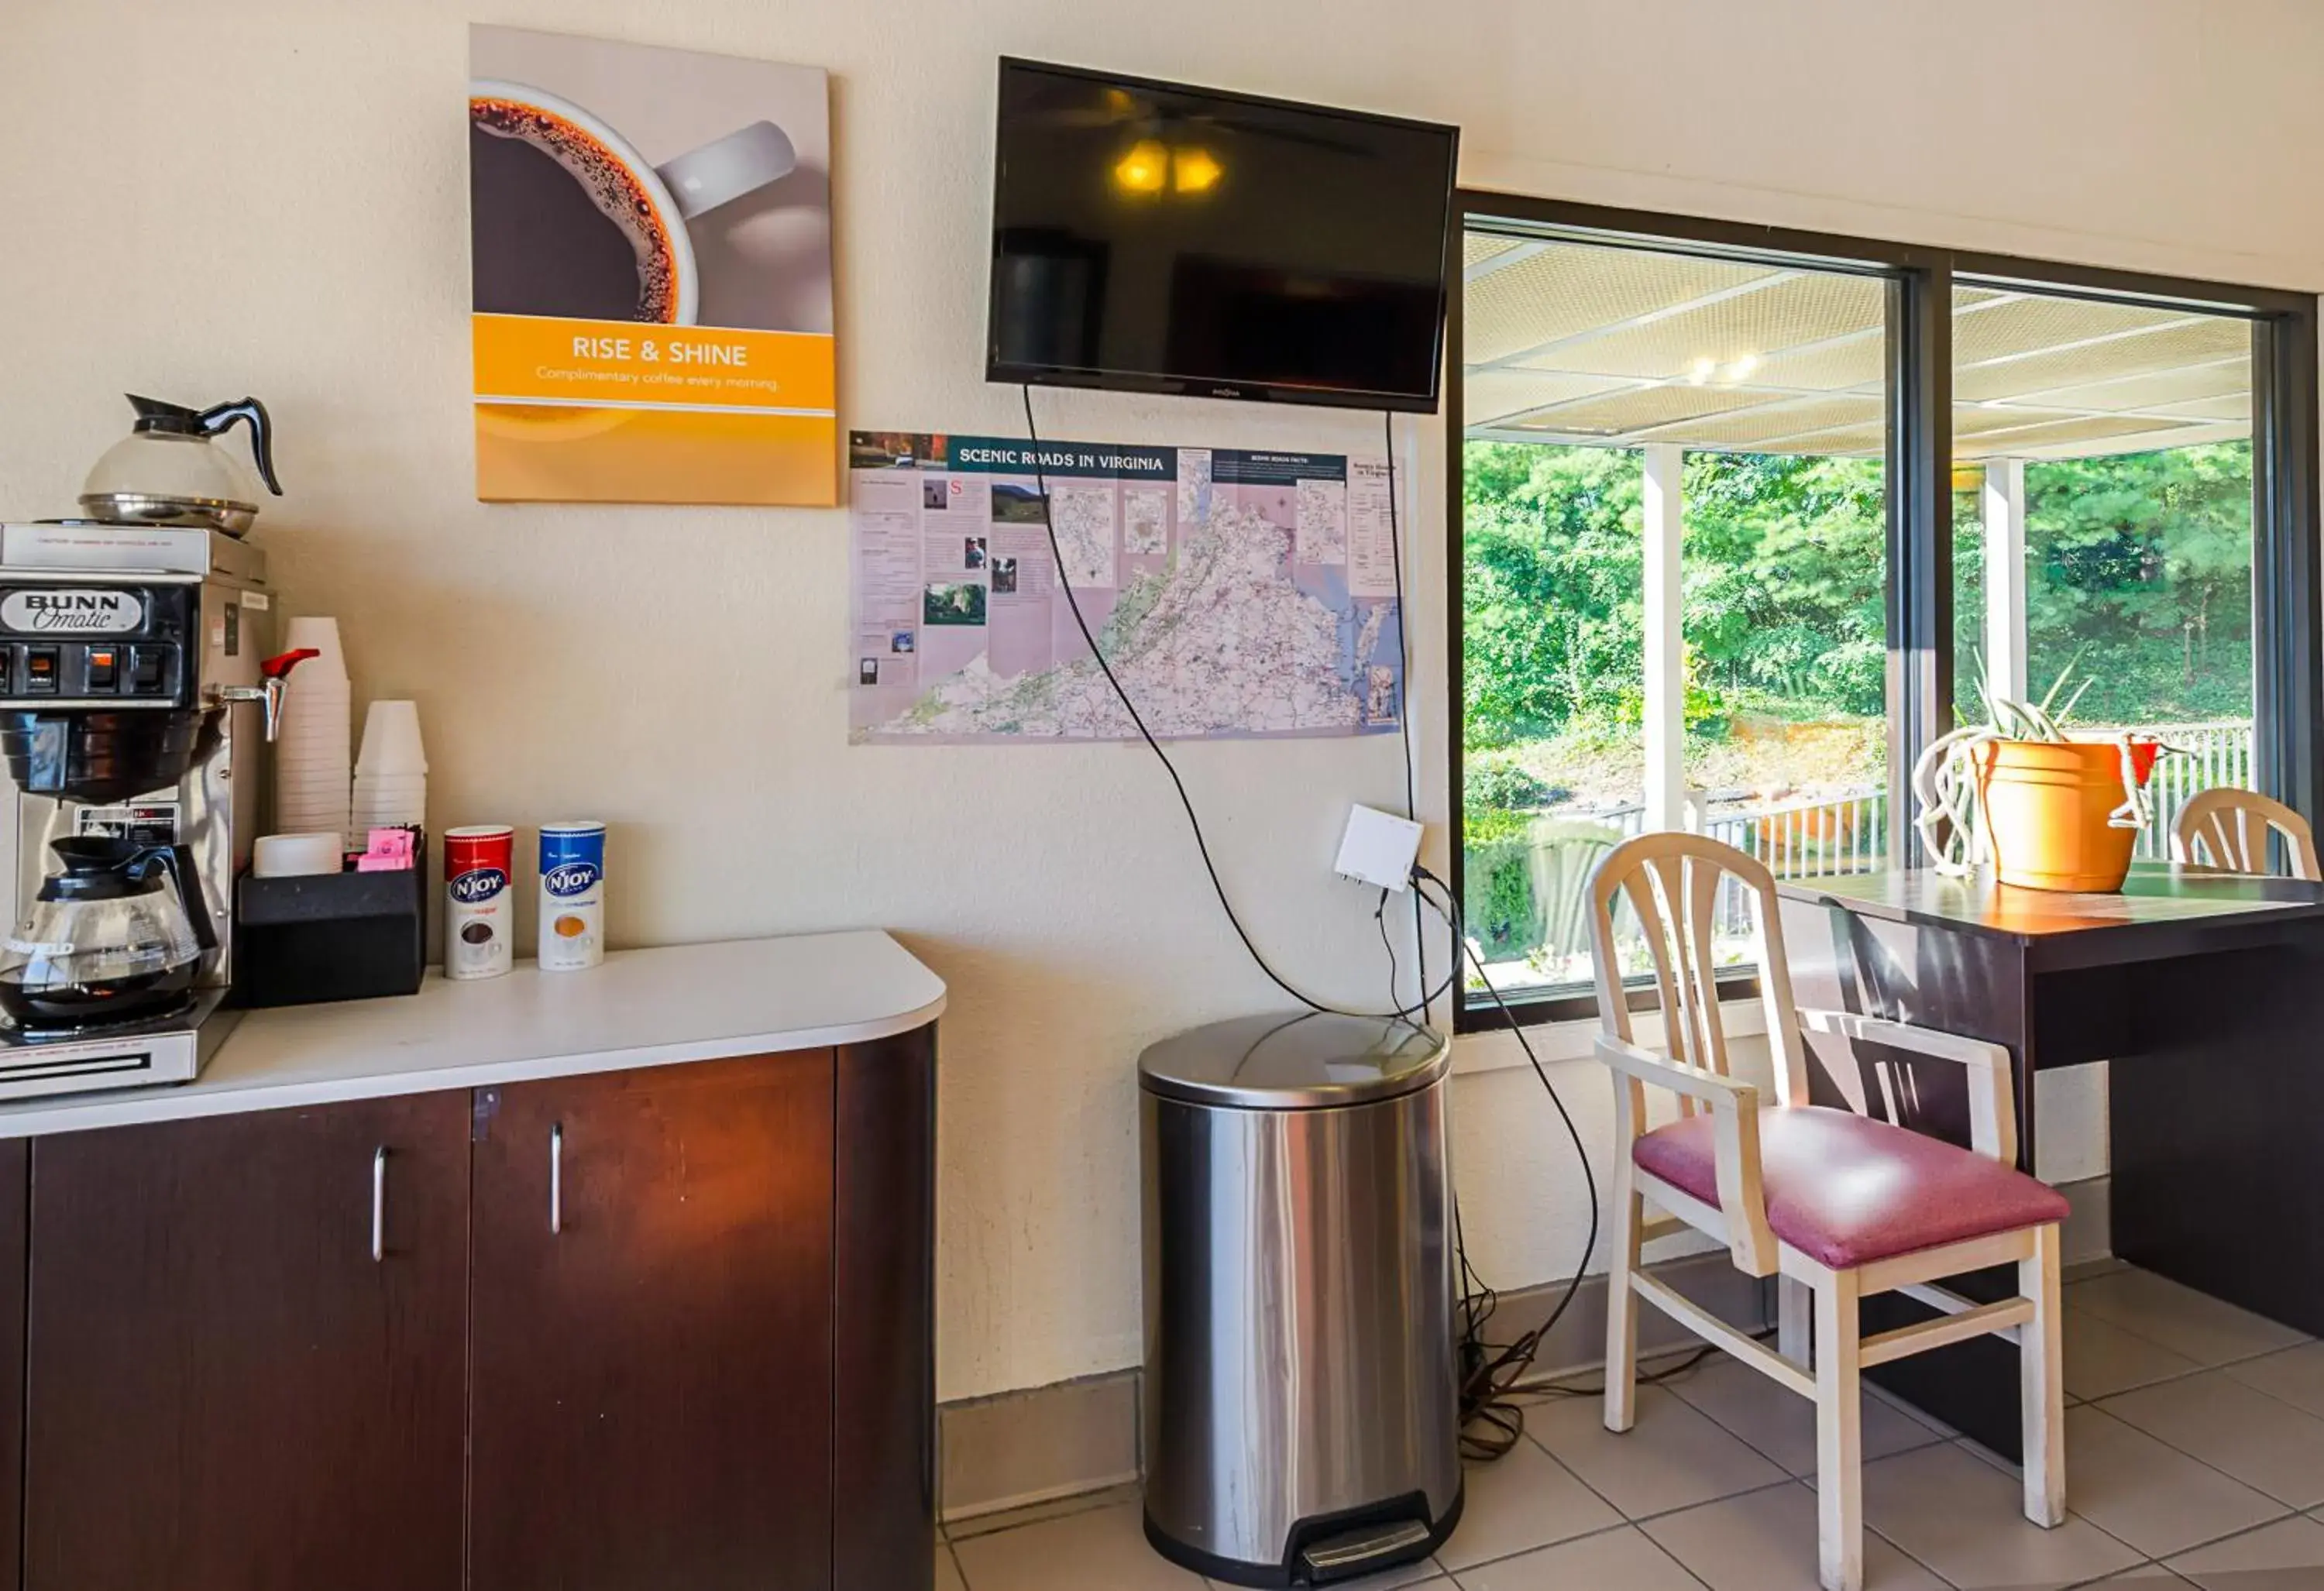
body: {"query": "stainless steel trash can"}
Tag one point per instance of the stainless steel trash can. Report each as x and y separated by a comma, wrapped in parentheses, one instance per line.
(1301, 1420)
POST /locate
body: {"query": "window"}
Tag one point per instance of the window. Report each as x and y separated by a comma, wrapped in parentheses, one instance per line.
(1674, 535)
(1738, 515)
(2103, 522)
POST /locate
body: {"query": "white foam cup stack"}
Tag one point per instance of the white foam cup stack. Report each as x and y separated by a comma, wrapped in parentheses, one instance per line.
(391, 784)
(311, 785)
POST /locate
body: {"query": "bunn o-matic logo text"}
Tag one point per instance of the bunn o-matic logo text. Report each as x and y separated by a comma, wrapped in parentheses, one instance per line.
(57, 610)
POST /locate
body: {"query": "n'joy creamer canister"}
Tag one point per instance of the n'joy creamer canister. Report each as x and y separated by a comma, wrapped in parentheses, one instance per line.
(572, 895)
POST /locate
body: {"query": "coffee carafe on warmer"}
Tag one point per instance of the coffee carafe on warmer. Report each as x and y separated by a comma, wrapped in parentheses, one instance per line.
(171, 471)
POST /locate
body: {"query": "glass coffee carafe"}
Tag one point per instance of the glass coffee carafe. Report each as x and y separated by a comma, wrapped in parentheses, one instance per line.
(107, 940)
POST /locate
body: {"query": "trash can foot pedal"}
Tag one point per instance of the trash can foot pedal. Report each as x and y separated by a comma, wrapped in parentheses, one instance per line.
(1349, 1553)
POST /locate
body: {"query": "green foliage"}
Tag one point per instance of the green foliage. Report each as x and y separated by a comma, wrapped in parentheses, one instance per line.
(2141, 564)
(1497, 883)
(1497, 784)
(1551, 581)
(1781, 569)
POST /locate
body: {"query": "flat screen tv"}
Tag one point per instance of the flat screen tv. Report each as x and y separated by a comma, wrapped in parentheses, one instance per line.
(1161, 238)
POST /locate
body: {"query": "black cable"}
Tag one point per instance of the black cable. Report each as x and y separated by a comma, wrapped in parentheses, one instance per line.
(1379, 918)
(1488, 1376)
(1201, 844)
(1404, 704)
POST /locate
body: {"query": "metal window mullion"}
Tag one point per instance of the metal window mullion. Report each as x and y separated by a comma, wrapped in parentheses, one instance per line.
(2287, 654)
(1920, 585)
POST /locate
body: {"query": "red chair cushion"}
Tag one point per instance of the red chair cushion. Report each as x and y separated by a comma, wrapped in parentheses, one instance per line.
(1845, 1189)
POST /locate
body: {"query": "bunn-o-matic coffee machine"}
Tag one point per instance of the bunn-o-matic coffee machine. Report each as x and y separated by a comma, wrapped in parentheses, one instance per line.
(136, 701)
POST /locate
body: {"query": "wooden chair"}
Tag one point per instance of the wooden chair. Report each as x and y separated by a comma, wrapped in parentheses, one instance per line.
(2227, 828)
(1838, 1206)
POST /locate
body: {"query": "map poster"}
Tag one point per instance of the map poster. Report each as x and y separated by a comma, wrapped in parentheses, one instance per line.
(650, 274)
(1234, 593)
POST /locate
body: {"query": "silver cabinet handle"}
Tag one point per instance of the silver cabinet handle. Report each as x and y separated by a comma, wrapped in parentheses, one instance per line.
(378, 1204)
(557, 1178)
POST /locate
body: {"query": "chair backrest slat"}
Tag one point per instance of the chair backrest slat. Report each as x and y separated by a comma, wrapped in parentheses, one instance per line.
(1672, 882)
(2227, 828)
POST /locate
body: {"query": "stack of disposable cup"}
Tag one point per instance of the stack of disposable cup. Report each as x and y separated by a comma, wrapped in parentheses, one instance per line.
(310, 753)
(391, 773)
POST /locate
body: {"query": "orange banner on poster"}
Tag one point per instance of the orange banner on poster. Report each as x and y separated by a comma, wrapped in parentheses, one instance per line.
(634, 364)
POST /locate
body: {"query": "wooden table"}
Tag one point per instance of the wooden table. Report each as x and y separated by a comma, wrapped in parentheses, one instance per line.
(2206, 990)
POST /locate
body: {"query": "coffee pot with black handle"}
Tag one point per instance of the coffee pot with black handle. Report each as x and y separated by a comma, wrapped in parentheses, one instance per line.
(170, 469)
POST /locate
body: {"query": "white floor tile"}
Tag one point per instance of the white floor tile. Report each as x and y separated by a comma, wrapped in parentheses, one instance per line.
(1781, 1423)
(2150, 1496)
(1101, 1549)
(1616, 1560)
(1517, 1502)
(2286, 1557)
(2256, 1439)
(1964, 1519)
(1673, 1458)
(2203, 1328)
(2295, 1377)
(2102, 1358)
(1766, 1541)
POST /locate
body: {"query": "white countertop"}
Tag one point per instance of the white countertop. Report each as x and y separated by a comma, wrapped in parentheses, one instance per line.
(642, 1007)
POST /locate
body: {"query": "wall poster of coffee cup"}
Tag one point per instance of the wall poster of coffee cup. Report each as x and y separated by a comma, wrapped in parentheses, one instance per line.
(650, 260)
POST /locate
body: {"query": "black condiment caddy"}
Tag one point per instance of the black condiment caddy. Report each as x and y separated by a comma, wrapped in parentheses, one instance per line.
(331, 936)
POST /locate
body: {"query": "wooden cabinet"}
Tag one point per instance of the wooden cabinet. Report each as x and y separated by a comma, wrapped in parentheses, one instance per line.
(230, 1387)
(652, 1372)
(15, 1189)
(662, 1327)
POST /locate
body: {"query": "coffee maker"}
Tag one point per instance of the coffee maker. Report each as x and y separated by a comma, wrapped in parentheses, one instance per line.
(135, 716)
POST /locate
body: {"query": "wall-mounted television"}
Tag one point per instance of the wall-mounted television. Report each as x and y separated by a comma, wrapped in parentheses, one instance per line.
(1161, 238)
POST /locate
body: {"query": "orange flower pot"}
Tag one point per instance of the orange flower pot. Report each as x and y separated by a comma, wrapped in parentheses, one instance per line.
(2046, 804)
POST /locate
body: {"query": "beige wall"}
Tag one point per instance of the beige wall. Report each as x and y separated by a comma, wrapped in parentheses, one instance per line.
(270, 197)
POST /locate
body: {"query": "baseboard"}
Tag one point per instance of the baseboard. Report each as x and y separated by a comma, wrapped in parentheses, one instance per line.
(1022, 1447)
(2088, 1233)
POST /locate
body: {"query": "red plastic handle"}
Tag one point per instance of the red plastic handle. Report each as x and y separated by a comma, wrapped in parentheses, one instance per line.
(280, 665)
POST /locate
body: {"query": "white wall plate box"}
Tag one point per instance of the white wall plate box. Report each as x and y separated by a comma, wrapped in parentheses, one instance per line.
(1378, 848)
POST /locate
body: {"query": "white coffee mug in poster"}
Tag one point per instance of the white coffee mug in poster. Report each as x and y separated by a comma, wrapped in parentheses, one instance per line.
(649, 257)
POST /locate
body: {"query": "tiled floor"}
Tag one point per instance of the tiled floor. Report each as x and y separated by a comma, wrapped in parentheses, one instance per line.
(2194, 1455)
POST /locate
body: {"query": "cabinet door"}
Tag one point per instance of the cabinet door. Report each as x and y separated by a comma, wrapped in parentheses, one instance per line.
(230, 1386)
(651, 1337)
(15, 1170)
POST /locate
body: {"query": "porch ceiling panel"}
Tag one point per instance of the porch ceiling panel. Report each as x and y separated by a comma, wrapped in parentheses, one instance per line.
(1477, 247)
(2235, 407)
(1769, 427)
(2146, 353)
(2055, 433)
(2003, 328)
(2230, 378)
(1570, 289)
(1617, 346)
(1788, 312)
(1635, 409)
(1493, 396)
(1858, 361)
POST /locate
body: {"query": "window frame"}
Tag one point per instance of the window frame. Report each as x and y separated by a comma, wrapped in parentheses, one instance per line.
(2288, 564)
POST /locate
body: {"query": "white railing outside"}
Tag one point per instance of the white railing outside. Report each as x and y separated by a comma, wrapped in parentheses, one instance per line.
(2217, 753)
(1849, 833)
